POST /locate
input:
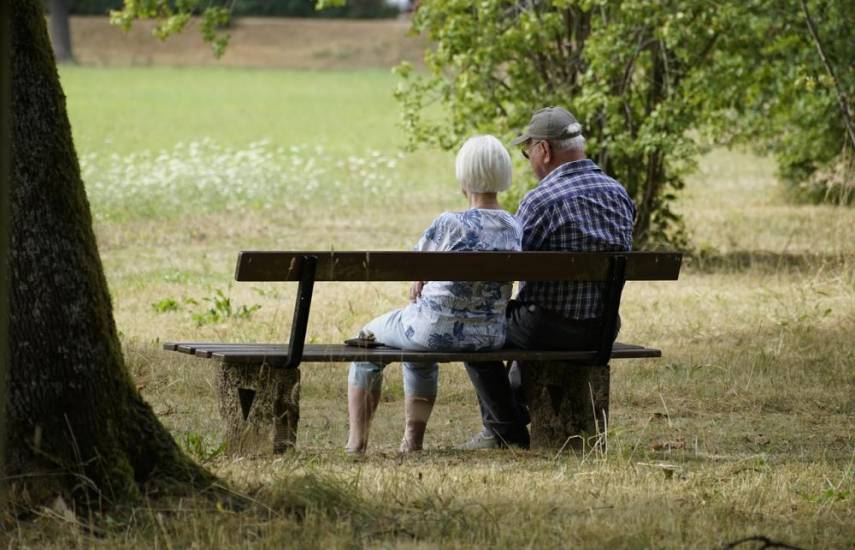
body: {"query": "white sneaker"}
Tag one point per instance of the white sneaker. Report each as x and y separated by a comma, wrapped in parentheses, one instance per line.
(482, 440)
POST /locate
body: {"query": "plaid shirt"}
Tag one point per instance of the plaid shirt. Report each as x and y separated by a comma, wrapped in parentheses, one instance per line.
(576, 207)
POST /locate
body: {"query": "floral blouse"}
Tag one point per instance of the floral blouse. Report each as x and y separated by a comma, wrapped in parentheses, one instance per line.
(463, 315)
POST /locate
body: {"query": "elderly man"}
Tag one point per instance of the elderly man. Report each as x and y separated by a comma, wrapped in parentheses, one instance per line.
(575, 207)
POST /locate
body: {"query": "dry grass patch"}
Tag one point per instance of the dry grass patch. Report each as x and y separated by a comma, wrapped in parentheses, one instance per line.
(743, 428)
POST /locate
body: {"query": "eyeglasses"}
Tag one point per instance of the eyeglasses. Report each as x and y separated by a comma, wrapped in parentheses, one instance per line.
(525, 150)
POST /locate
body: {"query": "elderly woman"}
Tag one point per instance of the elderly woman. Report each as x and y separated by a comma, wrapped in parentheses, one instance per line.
(443, 315)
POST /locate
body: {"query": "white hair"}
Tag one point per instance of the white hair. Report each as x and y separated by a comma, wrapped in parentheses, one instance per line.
(572, 144)
(483, 165)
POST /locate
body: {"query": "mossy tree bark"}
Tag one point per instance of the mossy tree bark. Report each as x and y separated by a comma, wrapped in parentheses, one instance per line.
(76, 424)
(5, 226)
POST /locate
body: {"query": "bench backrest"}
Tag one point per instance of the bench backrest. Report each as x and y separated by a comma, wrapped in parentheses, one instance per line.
(457, 266)
(611, 268)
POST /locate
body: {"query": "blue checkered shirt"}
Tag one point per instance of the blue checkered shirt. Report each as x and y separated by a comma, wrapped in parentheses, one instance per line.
(576, 207)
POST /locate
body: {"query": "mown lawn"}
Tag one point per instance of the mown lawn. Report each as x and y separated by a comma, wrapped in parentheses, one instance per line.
(743, 428)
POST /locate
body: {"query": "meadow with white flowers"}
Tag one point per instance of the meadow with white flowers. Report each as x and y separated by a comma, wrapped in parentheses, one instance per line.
(153, 154)
(207, 176)
(743, 429)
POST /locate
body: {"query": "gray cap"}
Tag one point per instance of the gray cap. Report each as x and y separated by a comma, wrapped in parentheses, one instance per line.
(550, 123)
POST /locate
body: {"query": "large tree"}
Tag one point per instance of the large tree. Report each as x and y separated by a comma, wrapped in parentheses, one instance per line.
(76, 424)
(5, 141)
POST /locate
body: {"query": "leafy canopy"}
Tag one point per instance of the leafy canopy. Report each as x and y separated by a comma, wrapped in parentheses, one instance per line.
(792, 81)
(632, 72)
(652, 83)
(172, 17)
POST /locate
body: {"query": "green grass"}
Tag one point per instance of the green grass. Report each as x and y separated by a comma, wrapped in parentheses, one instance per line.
(743, 428)
(154, 142)
(126, 110)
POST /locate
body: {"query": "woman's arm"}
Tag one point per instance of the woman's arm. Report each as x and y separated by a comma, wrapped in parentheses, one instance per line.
(435, 238)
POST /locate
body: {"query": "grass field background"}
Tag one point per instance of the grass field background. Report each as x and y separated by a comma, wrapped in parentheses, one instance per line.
(744, 427)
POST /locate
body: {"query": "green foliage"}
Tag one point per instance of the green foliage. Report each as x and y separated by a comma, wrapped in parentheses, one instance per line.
(222, 309)
(786, 100)
(646, 79)
(832, 494)
(627, 70)
(165, 305)
(201, 450)
(173, 16)
(168, 305)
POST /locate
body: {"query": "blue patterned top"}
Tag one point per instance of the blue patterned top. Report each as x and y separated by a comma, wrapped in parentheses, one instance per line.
(463, 315)
(575, 208)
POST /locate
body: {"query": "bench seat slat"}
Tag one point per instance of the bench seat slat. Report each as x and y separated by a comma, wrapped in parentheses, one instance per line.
(278, 353)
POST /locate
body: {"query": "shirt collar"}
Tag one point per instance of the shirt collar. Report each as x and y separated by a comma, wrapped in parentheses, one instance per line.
(569, 169)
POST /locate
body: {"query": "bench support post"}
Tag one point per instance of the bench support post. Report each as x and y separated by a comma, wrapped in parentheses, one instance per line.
(611, 305)
(568, 403)
(307, 266)
(260, 406)
(260, 403)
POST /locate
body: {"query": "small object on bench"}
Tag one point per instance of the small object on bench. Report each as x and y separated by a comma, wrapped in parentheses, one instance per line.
(567, 391)
(361, 343)
(365, 339)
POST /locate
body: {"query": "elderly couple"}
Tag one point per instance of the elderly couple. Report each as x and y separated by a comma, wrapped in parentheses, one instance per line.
(575, 207)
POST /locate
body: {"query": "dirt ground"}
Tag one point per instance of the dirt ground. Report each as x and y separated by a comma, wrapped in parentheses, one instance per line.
(255, 42)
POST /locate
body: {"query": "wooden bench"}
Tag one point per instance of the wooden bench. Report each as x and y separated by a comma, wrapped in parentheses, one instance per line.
(568, 393)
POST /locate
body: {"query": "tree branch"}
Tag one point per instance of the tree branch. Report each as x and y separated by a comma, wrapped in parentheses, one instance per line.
(842, 100)
(624, 91)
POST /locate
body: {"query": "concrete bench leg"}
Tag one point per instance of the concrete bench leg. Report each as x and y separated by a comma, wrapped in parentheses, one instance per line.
(260, 407)
(568, 404)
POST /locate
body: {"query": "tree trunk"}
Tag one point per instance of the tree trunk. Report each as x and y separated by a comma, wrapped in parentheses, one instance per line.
(5, 226)
(568, 405)
(76, 424)
(60, 31)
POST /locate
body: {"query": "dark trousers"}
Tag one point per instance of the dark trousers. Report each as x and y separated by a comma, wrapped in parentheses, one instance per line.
(503, 411)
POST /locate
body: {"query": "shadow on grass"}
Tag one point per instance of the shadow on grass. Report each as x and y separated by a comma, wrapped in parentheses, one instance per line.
(318, 500)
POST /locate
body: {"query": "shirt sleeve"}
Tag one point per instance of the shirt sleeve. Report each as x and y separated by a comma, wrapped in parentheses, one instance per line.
(438, 236)
(536, 225)
(518, 233)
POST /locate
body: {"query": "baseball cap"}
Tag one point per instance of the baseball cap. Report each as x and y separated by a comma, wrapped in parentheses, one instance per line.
(550, 123)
